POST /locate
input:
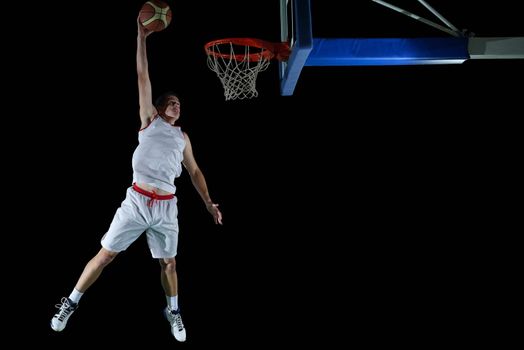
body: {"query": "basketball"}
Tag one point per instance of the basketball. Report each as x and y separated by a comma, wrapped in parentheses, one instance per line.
(155, 15)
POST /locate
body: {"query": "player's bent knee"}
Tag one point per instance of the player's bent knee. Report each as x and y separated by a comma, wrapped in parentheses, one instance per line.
(168, 264)
(105, 257)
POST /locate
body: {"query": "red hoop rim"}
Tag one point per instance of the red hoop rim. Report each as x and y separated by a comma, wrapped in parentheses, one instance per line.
(271, 50)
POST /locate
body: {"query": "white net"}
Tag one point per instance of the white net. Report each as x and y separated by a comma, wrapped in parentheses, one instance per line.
(238, 71)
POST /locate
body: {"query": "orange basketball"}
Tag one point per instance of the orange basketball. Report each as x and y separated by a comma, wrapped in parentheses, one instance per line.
(155, 15)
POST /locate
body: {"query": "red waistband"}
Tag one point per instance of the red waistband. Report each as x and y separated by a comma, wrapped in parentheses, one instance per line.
(153, 195)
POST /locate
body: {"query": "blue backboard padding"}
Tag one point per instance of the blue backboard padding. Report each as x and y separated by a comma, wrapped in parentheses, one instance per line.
(296, 62)
(303, 37)
(387, 51)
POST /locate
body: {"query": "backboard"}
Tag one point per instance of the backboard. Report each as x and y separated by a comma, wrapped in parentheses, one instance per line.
(453, 47)
(295, 28)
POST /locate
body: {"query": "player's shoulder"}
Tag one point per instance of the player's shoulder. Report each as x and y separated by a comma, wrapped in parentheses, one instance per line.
(186, 137)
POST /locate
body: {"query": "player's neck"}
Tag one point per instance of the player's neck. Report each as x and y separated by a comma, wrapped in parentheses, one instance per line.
(169, 119)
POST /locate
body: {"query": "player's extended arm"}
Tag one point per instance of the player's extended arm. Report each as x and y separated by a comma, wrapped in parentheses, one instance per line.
(199, 181)
(145, 95)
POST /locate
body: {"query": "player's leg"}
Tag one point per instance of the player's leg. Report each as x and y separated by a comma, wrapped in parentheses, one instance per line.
(91, 272)
(169, 280)
(126, 227)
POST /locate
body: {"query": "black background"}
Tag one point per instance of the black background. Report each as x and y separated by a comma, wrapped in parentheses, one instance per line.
(352, 209)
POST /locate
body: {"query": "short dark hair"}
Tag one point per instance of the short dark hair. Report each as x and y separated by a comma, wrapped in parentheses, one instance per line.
(160, 102)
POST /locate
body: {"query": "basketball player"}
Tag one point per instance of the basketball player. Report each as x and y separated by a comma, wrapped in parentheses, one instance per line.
(150, 204)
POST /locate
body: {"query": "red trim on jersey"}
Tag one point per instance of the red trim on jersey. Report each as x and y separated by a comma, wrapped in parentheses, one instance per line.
(151, 122)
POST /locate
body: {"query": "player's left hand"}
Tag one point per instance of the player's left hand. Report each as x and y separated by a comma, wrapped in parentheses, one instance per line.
(217, 215)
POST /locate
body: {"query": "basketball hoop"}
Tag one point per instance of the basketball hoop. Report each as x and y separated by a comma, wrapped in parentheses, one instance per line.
(237, 62)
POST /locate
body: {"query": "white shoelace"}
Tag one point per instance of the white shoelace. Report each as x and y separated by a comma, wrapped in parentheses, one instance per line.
(65, 309)
(178, 320)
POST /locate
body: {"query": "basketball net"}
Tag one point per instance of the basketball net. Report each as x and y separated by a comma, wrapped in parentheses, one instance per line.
(237, 62)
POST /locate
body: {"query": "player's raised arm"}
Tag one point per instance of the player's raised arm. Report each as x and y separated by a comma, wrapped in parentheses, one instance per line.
(145, 95)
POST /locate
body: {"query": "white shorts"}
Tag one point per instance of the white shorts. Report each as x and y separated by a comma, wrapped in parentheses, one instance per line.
(145, 211)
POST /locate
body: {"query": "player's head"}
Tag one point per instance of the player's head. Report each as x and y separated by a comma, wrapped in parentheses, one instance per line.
(161, 101)
(165, 104)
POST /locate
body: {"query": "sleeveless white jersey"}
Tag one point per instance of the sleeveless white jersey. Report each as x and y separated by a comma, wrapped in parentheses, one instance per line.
(157, 160)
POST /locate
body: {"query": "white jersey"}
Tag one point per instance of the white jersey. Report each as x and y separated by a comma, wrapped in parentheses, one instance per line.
(157, 160)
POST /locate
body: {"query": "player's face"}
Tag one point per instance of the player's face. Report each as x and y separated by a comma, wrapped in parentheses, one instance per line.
(173, 107)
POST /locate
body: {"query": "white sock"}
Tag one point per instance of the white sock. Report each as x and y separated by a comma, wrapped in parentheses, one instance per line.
(75, 296)
(172, 302)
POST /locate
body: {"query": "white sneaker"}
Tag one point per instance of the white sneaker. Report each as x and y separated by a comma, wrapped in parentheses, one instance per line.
(66, 309)
(177, 326)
